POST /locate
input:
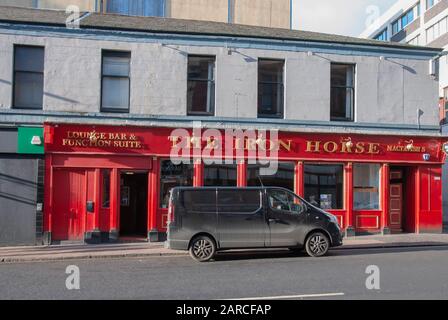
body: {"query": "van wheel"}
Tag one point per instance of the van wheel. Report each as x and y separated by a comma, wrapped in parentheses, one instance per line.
(202, 249)
(317, 244)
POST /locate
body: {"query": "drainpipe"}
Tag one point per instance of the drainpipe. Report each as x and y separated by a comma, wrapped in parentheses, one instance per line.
(229, 11)
(290, 14)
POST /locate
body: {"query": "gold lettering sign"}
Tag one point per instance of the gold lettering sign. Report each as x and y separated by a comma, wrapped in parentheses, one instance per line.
(247, 144)
(405, 149)
(342, 147)
(93, 139)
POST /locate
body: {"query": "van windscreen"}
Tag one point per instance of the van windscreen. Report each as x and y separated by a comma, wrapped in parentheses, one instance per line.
(239, 201)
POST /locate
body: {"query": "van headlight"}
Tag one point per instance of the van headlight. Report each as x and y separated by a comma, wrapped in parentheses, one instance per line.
(333, 219)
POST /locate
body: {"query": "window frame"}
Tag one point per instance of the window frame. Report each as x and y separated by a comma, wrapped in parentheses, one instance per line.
(115, 53)
(399, 21)
(341, 164)
(289, 193)
(14, 71)
(207, 166)
(160, 199)
(103, 9)
(353, 91)
(232, 189)
(102, 176)
(208, 81)
(258, 166)
(378, 192)
(434, 2)
(281, 114)
(382, 35)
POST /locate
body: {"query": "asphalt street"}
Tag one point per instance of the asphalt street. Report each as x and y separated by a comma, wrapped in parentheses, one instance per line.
(404, 273)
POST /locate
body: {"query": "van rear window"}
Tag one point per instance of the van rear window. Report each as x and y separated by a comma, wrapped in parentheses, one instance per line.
(200, 201)
(239, 201)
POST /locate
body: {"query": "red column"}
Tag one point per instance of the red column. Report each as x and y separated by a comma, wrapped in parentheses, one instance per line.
(417, 198)
(198, 180)
(97, 195)
(385, 174)
(242, 173)
(114, 203)
(153, 197)
(299, 179)
(48, 198)
(350, 230)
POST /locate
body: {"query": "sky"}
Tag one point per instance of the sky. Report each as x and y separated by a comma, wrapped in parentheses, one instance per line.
(345, 17)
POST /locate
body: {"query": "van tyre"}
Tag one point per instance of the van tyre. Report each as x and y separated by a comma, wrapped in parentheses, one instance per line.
(202, 248)
(317, 244)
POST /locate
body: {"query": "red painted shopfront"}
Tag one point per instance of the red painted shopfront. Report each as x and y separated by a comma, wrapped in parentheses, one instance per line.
(111, 181)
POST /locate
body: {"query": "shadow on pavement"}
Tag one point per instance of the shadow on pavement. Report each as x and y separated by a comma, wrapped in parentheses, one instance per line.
(282, 254)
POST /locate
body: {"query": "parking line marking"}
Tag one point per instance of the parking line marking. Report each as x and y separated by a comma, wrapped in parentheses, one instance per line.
(302, 296)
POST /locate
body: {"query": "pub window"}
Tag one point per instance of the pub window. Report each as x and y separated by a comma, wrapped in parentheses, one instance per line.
(222, 175)
(173, 175)
(284, 176)
(342, 92)
(270, 88)
(201, 85)
(366, 181)
(28, 77)
(105, 189)
(115, 81)
(324, 185)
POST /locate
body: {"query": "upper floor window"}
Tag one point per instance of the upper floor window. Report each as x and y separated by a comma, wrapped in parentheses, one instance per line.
(201, 85)
(270, 88)
(342, 92)
(415, 41)
(154, 8)
(28, 77)
(115, 92)
(405, 19)
(436, 30)
(382, 36)
(431, 3)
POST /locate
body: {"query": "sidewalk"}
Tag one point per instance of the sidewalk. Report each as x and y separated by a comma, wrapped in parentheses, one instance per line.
(126, 250)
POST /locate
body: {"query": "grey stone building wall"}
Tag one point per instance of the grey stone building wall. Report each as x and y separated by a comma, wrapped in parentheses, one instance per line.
(21, 188)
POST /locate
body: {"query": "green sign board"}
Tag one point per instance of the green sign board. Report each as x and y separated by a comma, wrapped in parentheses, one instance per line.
(30, 140)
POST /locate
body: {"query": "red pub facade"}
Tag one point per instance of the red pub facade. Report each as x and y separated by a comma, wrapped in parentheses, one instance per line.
(106, 182)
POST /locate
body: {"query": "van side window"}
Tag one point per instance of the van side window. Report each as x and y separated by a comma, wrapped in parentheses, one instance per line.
(244, 202)
(281, 200)
(200, 201)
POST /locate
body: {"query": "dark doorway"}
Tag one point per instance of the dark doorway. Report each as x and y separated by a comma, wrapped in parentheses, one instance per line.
(397, 201)
(133, 204)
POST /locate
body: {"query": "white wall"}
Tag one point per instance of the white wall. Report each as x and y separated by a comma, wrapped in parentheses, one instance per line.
(388, 91)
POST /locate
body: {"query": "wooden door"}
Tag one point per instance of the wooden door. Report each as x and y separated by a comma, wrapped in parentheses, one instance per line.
(69, 205)
(396, 206)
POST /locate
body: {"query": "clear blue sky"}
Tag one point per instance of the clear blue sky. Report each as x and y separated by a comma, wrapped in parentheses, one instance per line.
(346, 17)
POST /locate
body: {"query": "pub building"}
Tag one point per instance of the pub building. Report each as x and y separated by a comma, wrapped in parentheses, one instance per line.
(114, 181)
(90, 116)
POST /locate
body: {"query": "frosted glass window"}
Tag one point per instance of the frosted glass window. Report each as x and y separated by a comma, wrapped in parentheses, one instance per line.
(366, 182)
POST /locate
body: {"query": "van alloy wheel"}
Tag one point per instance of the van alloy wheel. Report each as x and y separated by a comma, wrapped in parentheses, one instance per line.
(202, 249)
(317, 245)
